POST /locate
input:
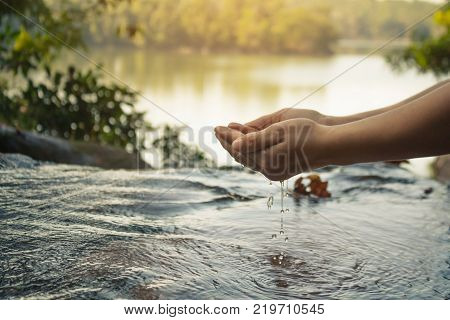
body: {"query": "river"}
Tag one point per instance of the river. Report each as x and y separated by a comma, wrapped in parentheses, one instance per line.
(73, 232)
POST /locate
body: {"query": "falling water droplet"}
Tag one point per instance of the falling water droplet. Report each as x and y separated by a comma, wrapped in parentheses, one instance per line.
(270, 202)
(284, 193)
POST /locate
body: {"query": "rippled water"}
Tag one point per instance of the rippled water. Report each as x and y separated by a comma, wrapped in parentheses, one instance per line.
(86, 233)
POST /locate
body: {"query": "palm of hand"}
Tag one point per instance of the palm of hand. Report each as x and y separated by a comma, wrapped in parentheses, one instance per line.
(279, 151)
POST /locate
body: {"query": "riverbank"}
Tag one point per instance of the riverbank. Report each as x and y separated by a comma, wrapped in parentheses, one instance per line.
(45, 148)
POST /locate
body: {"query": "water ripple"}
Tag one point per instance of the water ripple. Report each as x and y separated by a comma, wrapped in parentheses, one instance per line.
(71, 232)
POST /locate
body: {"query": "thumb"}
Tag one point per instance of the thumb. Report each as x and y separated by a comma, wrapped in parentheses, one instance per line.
(241, 127)
(257, 141)
(265, 121)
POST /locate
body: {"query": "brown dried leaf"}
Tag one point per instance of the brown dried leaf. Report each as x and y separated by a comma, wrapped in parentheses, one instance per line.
(299, 187)
(316, 187)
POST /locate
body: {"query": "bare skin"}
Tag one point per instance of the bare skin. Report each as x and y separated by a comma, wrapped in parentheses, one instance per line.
(291, 141)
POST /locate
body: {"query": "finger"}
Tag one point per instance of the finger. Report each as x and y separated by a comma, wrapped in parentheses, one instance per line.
(264, 121)
(257, 141)
(221, 137)
(227, 134)
(225, 145)
(241, 127)
(252, 161)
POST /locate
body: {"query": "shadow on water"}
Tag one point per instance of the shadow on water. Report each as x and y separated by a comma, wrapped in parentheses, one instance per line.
(85, 233)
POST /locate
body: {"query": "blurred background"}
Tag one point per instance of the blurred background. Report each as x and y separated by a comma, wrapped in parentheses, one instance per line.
(166, 65)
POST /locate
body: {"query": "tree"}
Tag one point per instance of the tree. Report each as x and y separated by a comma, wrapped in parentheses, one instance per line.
(73, 104)
(427, 55)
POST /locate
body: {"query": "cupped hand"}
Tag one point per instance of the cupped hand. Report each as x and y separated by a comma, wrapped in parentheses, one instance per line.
(278, 151)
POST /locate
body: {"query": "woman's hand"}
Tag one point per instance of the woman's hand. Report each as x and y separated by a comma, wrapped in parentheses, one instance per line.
(279, 151)
(279, 116)
(227, 136)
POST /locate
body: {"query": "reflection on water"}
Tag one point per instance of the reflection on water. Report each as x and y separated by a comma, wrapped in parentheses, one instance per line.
(209, 89)
(77, 232)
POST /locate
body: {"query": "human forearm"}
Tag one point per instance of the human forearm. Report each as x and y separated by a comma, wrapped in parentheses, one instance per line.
(334, 120)
(416, 129)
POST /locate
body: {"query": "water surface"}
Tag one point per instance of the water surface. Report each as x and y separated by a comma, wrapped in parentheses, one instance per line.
(70, 232)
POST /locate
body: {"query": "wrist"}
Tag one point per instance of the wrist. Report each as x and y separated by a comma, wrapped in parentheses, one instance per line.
(324, 120)
(338, 145)
(335, 121)
(326, 147)
(328, 120)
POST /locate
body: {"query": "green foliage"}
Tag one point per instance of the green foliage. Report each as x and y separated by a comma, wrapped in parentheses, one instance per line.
(427, 55)
(269, 26)
(238, 25)
(420, 33)
(176, 154)
(75, 105)
(25, 46)
(369, 19)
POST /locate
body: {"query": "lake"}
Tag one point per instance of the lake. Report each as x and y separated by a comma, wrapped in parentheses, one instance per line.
(202, 91)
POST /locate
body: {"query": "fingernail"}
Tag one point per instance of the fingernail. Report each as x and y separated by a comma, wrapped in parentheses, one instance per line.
(218, 129)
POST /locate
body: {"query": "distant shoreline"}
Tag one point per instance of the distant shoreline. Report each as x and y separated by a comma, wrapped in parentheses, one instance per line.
(342, 46)
(365, 46)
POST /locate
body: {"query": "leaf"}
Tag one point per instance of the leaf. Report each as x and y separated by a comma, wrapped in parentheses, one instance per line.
(300, 188)
(316, 187)
(22, 40)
